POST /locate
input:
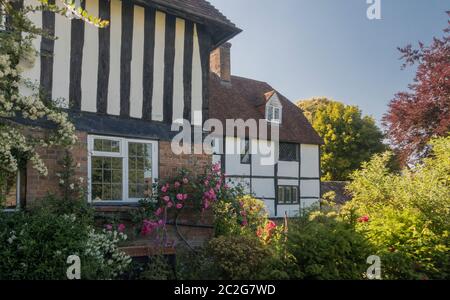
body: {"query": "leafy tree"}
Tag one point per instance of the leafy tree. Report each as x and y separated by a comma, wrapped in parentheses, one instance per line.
(16, 35)
(350, 139)
(406, 216)
(414, 117)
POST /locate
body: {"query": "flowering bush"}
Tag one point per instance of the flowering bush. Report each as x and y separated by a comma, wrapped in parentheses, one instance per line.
(35, 245)
(173, 195)
(406, 216)
(231, 258)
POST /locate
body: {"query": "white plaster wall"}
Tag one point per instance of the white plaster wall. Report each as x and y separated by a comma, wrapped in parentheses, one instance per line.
(233, 161)
(178, 86)
(32, 71)
(90, 62)
(158, 75)
(270, 206)
(288, 169)
(310, 188)
(310, 161)
(291, 210)
(61, 61)
(258, 169)
(263, 188)
(115, 28)
(137, 63)
(197, 80)
(244, 182)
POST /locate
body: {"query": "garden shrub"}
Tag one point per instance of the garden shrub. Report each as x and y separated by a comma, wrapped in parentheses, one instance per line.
(407, 215)
(326, 247)
(231, 258)
(35, 245)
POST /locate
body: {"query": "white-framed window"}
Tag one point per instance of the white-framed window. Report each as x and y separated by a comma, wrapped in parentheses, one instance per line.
(121, 170)
(273, 114)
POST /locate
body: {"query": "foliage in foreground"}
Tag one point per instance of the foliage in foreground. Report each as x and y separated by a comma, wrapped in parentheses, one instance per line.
(408, 214)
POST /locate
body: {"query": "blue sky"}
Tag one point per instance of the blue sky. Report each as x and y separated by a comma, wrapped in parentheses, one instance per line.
(307, 48)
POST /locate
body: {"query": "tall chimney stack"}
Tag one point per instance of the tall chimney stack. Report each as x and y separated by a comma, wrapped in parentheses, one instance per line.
(221, 62)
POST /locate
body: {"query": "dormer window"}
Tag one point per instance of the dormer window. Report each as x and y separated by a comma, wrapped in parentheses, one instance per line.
(273, 108)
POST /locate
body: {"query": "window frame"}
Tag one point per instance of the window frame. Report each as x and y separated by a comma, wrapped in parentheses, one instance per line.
(244, 144)
(285, 189)
(272, 108)
(123, 153)
(297, 152)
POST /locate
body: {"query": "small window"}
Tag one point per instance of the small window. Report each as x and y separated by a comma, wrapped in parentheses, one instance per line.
(288, 195)
(289, 152)
(273, 114)
(245, 152)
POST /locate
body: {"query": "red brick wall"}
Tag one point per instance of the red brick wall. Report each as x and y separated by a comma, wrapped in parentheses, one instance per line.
(171, 164)
(39, 186)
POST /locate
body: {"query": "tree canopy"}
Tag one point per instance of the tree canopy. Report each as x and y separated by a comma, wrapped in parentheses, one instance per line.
(423, 112)
(350, 138)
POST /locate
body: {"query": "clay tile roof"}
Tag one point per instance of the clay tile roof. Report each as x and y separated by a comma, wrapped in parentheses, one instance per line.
(243, 98)
(201, 8)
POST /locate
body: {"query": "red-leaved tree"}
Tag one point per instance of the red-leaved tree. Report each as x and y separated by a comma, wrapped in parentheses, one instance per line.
(414, 117)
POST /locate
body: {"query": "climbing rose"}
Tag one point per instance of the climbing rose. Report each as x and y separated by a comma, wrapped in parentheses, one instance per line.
(185, 180)
(177, 184)
(121, 228)
(170, 204)
(180, 197)
(109, 227)
(166, 198)
(164, 189)
(179, 206)
(159, 211)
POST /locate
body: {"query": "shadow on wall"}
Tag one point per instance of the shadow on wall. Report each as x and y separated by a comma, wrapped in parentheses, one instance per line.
(342, 195)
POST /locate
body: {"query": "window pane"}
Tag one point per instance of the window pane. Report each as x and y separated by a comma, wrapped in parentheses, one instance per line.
(139, 170)
(295, 195)
(281, 194)
(245, 152)
(104, 145)
(288, 152)
(276, 114)
(106, 178)
(270, 113)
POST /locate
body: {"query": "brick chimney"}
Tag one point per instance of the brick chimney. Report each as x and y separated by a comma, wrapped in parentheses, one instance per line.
(220, 62)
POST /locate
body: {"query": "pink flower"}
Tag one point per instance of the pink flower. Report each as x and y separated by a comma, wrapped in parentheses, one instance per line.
(179, 206)
(159, 211)
(180, 197)
(109, 227)
(245, 222)
(121, 228)
(185, 196)
(185, 180)
(170, 204)
(206, 182)
(166, 198)
(161, 222)
(217, 187)
(206, 204)
(216, 168)
(164, 189)
(363, 219)
(243, 213)
(177, 184)
(270, 226)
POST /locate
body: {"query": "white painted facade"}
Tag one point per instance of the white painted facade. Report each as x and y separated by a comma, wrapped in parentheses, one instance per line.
(90, 63)
(262, 181)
